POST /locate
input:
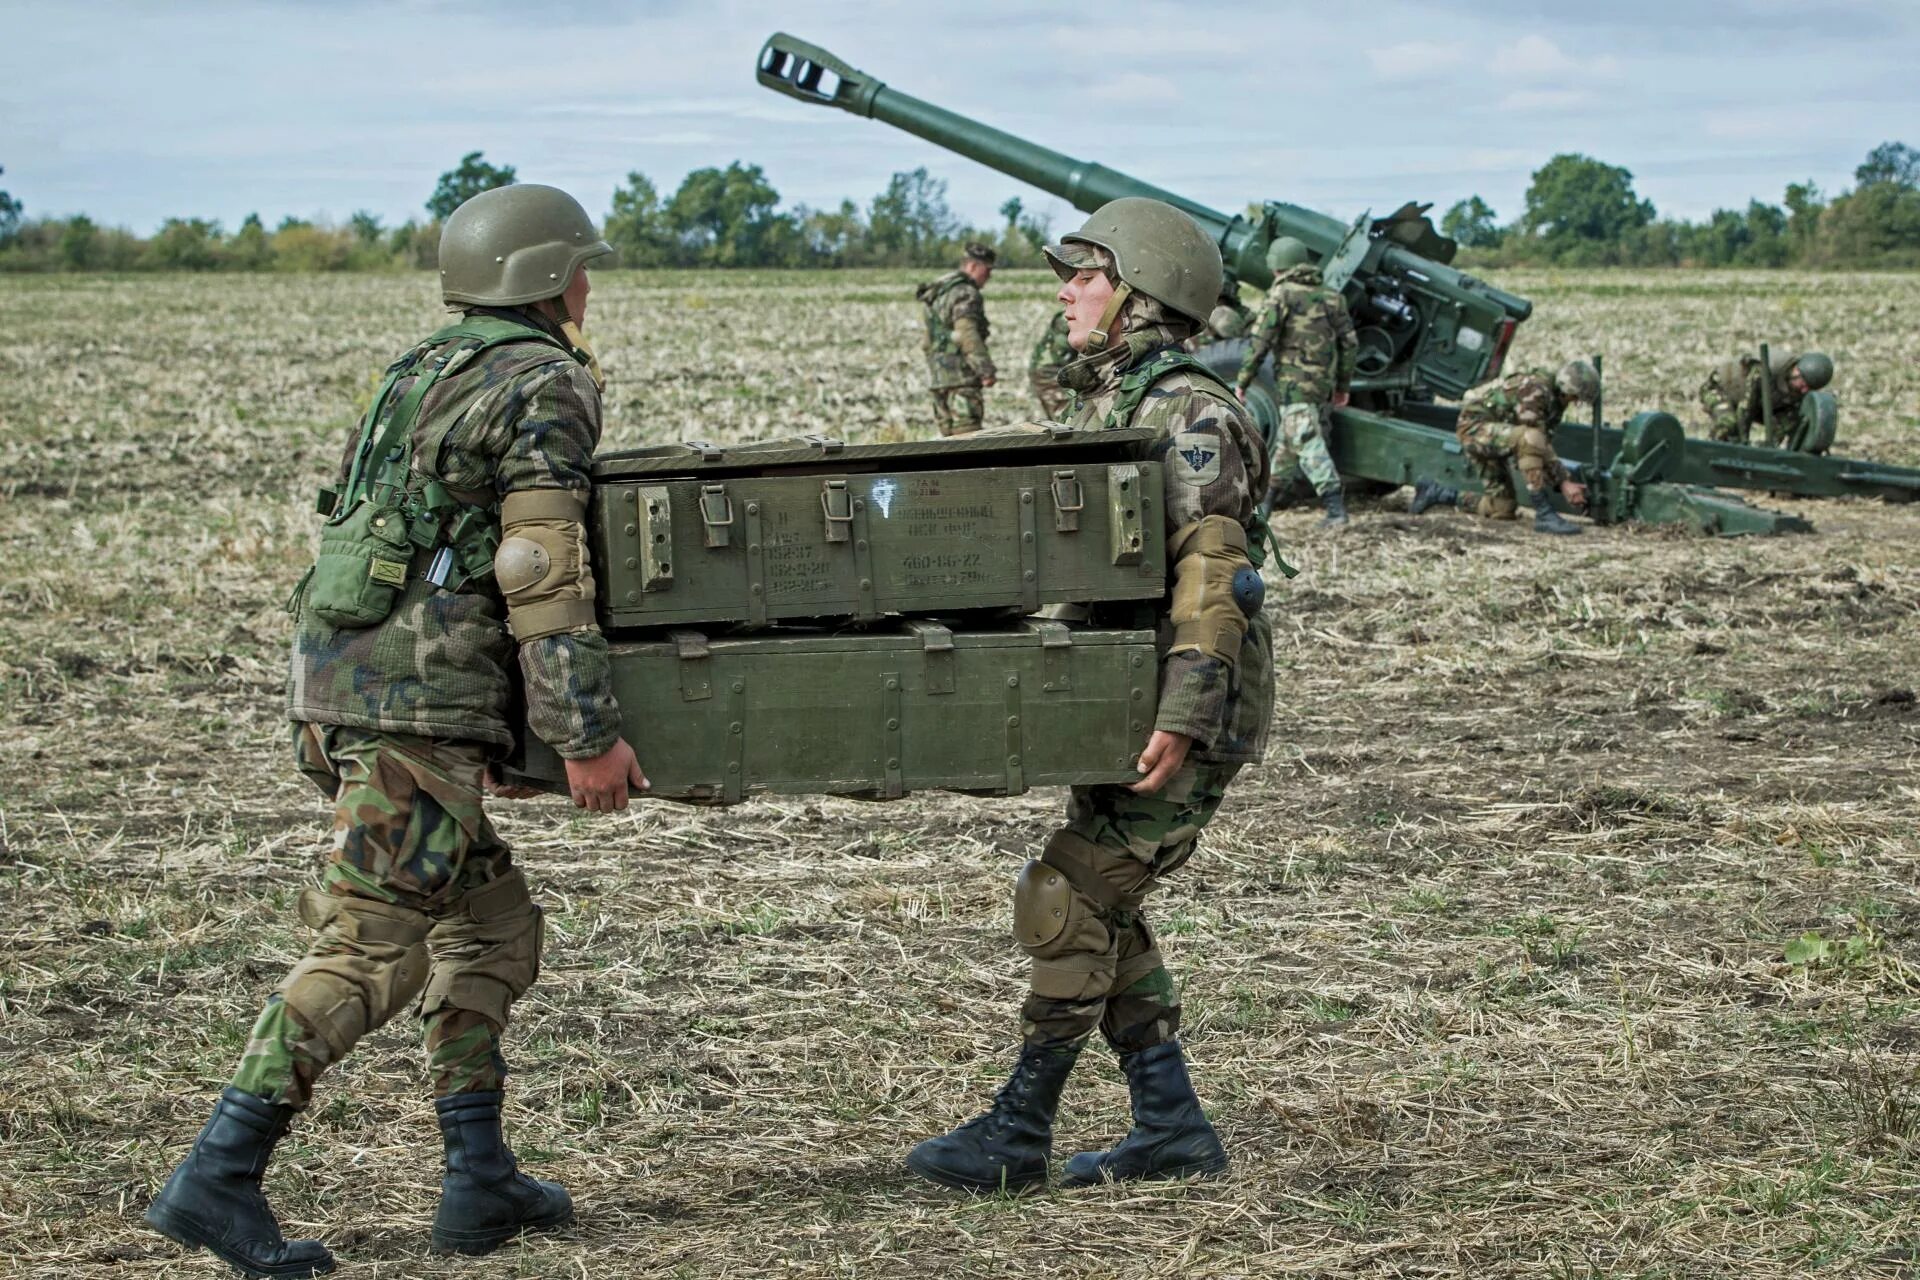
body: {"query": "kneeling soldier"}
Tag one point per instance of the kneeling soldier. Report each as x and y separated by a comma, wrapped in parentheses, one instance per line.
(1512, 422)
(1138, 279)
(456, 536)
(1733, 400)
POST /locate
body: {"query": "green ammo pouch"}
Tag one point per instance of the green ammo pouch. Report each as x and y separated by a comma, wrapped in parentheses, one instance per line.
(361, 568)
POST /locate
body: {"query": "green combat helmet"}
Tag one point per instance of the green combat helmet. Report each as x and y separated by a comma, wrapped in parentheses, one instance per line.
(1157, 250)
(514, 245)
(1226, 322)
(1816, 368)
(1577, 380)
(1286, 252)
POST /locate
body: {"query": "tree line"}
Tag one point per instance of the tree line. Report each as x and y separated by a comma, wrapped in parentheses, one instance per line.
(1579, 212)
(716, 218)
(1582, 212)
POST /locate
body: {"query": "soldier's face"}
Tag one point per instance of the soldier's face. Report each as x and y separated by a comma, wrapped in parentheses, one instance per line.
(1798, 382)
(1084, 296)
(977, 271)
(576, 297)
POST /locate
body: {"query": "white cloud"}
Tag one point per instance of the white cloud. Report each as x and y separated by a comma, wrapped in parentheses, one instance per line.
(1534, 57)
(1415, 59)
(1136, 87)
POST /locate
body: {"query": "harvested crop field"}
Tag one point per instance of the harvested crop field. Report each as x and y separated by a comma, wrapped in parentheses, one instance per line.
(1571, 927)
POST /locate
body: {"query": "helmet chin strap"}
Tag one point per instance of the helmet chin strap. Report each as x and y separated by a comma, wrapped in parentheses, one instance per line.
(1102, 332)
(578, 341)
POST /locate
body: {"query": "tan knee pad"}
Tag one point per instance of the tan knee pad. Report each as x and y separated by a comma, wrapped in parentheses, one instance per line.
(1066, 934)
(1533, 454)
(486, 950)
(367, 964)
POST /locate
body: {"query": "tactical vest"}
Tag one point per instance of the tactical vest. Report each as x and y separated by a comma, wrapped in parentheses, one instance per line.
(939, 332)
(386, 511)
(1134, 385)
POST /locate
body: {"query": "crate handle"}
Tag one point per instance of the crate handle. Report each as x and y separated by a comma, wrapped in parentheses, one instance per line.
(1069, 500)
(716, 514)
(837, 505)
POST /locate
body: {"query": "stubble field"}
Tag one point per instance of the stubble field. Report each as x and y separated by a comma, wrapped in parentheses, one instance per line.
(1570, 929)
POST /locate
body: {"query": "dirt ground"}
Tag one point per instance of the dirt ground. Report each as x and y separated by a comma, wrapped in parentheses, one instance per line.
(1571, 928)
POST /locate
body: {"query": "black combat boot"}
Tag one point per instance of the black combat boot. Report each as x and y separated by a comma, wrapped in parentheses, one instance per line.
(1428, 494)
(1336, 504)
(1546, 519)
(214, 1201)
(1006, 1148)
(484, 1198)
(1170, 1137)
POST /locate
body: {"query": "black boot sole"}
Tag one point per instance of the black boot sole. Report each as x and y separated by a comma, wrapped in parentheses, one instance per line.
(474, 1243)
(1198, 1170)
(958, 1182)
(187, 1231)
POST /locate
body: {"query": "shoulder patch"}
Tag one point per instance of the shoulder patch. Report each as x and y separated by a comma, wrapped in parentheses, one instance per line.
(1198, 457)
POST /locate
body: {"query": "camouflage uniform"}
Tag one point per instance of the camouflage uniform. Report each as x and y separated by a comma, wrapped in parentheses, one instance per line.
(1306, 327)
(1104, 969)
(955, 341)
(398, 722)
(1511, 421)
(1230, 318)
(1731, 397)
(1043, 370)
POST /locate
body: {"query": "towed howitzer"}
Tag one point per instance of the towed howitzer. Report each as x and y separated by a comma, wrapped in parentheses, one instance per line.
(1425, 329)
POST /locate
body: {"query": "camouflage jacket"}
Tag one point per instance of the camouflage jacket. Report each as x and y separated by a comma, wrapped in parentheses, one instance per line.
(1737, 382)
(1306, 327)
(1526, 399)
(1052, 350)
(1215, 464)
(518, 416)
(956, 334)
(1229, 319)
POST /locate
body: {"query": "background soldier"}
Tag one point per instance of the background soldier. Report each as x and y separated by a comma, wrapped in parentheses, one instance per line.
(1512, 421)
(1228, 319)
(955, 341)
(1139, 278)
(470, 528)
(1731, 393)
(1050, 354)
(1306, 327)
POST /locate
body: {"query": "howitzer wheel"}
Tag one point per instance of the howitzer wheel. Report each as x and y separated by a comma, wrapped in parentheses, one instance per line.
(1651, 447)
(1818, 422)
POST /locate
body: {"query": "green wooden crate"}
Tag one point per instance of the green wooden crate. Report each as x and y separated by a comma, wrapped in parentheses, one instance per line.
(915, 706)
(814, 529)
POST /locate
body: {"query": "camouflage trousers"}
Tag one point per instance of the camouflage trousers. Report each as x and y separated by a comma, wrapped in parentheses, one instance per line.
(1726, 417)
(1055, 400)
(420, 901)
(958, 410)
(1301, 441)
(1492, 447)
(1078, 912)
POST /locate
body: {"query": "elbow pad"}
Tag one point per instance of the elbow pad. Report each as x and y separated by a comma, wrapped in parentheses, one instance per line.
(1207, 616)
(542, 565)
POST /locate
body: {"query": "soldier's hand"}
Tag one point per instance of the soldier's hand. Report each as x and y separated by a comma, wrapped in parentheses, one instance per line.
(1164, 755)
(1575, 494)
(602, 782)
(1340, 399)
(491, 784)
(987, 381)
(1240, 394)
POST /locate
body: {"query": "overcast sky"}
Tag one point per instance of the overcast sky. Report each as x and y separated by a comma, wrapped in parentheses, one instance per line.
(131, 110)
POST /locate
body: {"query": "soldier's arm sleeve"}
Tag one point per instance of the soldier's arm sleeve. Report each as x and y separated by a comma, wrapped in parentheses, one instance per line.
(1208, 496)
(1265, 330)
(544, 569)
(970, 332)
(1347, 343)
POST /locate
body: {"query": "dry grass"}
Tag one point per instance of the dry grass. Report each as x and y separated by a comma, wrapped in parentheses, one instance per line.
(1500, 965)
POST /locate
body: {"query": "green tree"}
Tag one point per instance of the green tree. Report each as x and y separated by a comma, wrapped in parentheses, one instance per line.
(1894, 163)
(1579, 203)
(1471, 223)
(10, 211)
(366, 227)
(79, 244)
(1877, 225)
(186, 244)
(637, 225)
(910, 222)
(467, 180)
(1804, 203)
(831, 237)
(725, 217)
(249, 250)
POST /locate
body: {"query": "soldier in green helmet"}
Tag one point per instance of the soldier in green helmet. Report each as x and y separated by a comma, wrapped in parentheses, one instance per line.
(455, 546)
(1137, 280)
(1509, 423)
(955, 340)
(1228, 319)
(1050, 355)
(1306, 327)
(1732, 396)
